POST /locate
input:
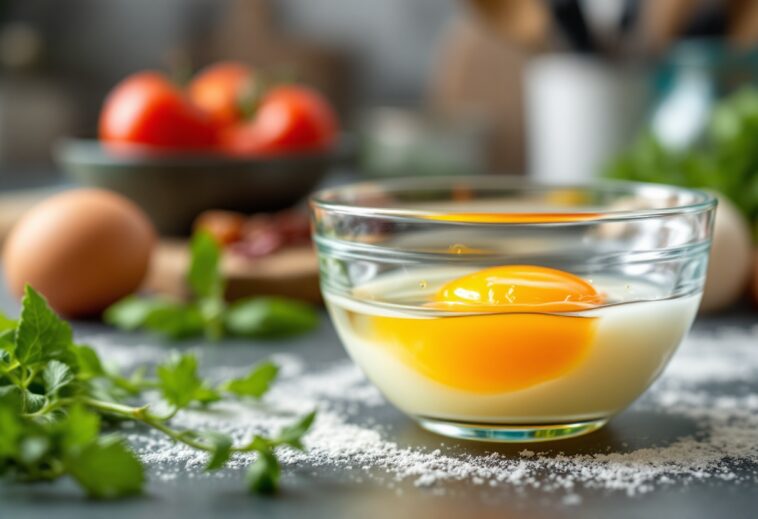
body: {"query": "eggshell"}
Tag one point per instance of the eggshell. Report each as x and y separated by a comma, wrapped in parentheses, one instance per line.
(730, 262)
(82, 249)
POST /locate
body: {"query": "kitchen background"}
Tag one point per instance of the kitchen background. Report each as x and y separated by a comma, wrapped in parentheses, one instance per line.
(560, 90)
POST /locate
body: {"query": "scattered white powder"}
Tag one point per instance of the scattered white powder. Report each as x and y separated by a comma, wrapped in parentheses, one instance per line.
(711, 383)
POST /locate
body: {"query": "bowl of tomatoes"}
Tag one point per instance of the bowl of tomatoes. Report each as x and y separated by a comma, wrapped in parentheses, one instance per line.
(228, 140)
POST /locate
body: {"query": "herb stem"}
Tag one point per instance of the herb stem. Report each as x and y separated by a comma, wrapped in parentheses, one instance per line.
(142, 415)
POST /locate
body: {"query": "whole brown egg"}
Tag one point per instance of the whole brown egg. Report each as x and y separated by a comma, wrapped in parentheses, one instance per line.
(82, 249)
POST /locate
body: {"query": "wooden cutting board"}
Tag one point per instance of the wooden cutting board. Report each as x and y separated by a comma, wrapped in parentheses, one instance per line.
(291, 272)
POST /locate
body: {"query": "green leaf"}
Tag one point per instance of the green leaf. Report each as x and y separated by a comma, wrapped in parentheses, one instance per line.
(179, 381)
(254, 384)
(222, 450)
(270, 317)
(56, 376)
(41, 335)
(33, 448)
(80, 428)
(176, 321)
(133, 312)
(206, 395)
(88, 362)
(107, 469)
(8, 341)
(7, 323)
(11, 427)
(33, 402)
(204, 276)
(292, 435)
(260, 443)
(263, 475)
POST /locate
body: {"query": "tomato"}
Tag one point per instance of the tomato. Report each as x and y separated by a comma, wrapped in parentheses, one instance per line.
(147, 109)
(290, 118)
(220, 91)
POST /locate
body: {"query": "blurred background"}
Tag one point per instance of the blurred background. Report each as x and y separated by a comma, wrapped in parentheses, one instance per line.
(561, 90)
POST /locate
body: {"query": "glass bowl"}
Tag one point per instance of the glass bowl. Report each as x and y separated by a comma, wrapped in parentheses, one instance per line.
(494, 308)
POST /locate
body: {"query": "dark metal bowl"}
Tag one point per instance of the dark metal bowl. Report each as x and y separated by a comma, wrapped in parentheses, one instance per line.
(174, 188)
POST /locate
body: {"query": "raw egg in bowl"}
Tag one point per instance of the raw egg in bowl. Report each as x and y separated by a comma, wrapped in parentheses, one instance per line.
(498, 309)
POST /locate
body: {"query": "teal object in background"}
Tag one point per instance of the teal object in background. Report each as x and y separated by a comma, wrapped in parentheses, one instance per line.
(690, 81)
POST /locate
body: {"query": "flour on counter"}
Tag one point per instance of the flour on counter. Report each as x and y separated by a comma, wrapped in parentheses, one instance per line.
(724, 448)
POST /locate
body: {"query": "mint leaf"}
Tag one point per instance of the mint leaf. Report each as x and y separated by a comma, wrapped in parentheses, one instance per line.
(222, 450)
(270, 317)
(56, 375)
(107, 469)
(204, 276)
(254, 384)
(292, 435)
(263, 475)
(41, 335)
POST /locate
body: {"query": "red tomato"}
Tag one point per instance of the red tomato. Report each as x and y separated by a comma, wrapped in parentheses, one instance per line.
(147, 109)
(290, 118)
(220, 90)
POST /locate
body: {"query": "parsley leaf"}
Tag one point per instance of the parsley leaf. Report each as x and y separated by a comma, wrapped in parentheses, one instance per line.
(176, 321)
(263, 475)
(254, 384)
(270, 317)
(179, 381)
(80, 428)
(132, 312)
(107, 469)
(56, 375)
(87, 362)
(181, 385)
(41, 335)
(204, 275)
(11, 429)
(222, 450)
(55, 396)
(293, 434)
(207, 313)
(7, 342)
(6, 323)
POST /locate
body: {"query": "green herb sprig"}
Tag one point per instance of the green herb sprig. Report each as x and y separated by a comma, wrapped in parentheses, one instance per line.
(59, 408)
(725, 159)
(207, 312)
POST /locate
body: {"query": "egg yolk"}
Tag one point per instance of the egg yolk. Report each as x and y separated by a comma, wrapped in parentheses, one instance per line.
(511, 337)
(514, 217)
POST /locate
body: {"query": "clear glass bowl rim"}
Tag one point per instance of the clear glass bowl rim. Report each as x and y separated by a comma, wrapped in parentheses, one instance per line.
(332, 199)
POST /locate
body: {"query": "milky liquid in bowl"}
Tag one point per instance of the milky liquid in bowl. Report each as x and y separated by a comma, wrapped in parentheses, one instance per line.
(509, 368)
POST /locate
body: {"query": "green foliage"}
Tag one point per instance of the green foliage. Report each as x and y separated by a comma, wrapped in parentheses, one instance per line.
(207, 313)
(55, 397)
(726, 161)
(256, 383)
(269, 317)
(40, 335)
(204, 275)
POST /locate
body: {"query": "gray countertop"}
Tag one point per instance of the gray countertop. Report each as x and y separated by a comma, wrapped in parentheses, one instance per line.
(335, 491)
